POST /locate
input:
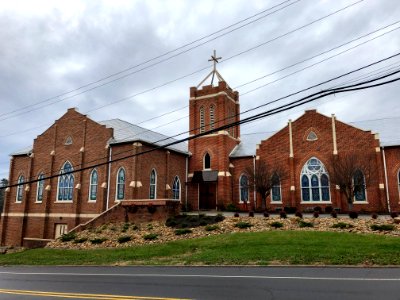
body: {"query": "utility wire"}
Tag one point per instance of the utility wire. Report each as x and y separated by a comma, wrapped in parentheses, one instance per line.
(296, 103)
(229, 58)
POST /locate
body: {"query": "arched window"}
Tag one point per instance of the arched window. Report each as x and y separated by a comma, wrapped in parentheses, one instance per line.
(40, 188)
(276, 188)
(65, 183)
(359, 186)
(153, 184)
(121, 184)
(93, 185)
(202, 126)
(176, 189)
(20, 188)
(207, 161)
(314, 181)
(212, 119)
(244, 188)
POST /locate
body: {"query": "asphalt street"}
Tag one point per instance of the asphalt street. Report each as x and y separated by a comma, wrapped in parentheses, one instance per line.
(199, 283)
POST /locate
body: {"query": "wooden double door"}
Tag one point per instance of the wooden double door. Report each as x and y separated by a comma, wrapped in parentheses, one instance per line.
(208, 195)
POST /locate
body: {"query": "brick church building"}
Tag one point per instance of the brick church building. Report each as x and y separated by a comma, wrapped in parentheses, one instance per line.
(208, 172)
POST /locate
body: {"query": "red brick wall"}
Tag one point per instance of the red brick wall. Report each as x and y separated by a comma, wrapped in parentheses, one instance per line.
(392, 155)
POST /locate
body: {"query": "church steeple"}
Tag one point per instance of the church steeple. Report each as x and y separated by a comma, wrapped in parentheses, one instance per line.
(214, 72)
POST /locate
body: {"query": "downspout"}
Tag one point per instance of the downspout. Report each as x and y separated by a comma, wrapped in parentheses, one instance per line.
(254, 187)
(386, 179)
(186, 184)
(109, 177)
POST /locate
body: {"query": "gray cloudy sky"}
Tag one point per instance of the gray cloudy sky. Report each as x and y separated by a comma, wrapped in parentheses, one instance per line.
(49, 48)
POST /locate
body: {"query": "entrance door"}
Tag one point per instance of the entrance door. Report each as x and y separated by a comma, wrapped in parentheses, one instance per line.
(60, 230)
(207, 194)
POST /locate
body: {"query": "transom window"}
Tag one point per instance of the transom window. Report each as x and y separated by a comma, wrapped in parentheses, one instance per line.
(121, 184)
(359, 186)
(207, 161)
(176, 189)
(202, 125)
(65, 183)
(244, 188)
(93, 185)
(276, 189)
(153, 184)
(314, 181)
(40, 188)
(20, 188)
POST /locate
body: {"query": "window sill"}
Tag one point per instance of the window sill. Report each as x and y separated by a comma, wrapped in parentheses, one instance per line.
(276, 202)
(316, 202)
(39, 202)
(65, 201)
(19, 202)
(92, 201)
(360, 202)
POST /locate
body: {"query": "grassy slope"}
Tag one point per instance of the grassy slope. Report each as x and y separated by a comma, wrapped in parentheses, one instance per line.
(262, 248)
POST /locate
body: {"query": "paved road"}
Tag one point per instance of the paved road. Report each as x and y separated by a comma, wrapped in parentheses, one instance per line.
(199, 283)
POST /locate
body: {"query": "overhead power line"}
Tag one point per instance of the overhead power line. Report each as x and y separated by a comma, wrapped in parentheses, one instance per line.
(89, 85)
(182, 77)
(307, 99)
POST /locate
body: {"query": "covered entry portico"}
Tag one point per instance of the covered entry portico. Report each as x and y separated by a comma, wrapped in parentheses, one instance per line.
(207, 182)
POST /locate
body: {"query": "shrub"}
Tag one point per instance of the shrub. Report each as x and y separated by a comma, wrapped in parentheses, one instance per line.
(299, 214)
(182, 231)
(394, 214)
(374, 216)
(211, 227)
(342, 225)
(318, 209)
(251, 213)
(68, 237)
(276, 224)
(150, 236)
(112, 228)
(316, 214)
(303, 224)
(231, 207)
(283, 215)
(149, 226)
(184, 225)
(266, 214)
(171, 222)
(219, 218)
(334, 214)
(126, 226)
(80, 240)
(328, 209)
(135, 227)
(243, 225)
(151, 208)
(97, 241)
(383, 227)
(353, 215)
(289, 209)
(124, 239)
(236, 215)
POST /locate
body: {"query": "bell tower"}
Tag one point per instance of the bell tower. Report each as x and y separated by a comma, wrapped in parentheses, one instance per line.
(210, 108)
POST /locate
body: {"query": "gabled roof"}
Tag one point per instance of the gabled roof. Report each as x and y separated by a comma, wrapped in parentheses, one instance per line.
(126, 132)
(248, 142)
(24, 151)
(388, 129)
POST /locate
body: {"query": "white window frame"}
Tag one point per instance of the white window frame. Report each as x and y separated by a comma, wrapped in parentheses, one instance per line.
(20, 189)
(91, 184)
(40, 188)
(309, 173)
(212, 116)
(68, 187)
(280, 193)
(153, 185)
(117, 184)
(176, 180)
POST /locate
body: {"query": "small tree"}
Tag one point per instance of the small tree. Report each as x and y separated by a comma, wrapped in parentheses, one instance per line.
(3, 183)
(351, 172)
(263, 177)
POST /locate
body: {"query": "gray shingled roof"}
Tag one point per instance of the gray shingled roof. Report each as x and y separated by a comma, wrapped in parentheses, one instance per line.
(247, 146)
(127, 132)
(388, 129)
(26, 150)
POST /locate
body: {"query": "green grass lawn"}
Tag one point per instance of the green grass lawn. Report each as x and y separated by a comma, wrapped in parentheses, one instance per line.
(261, 248)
